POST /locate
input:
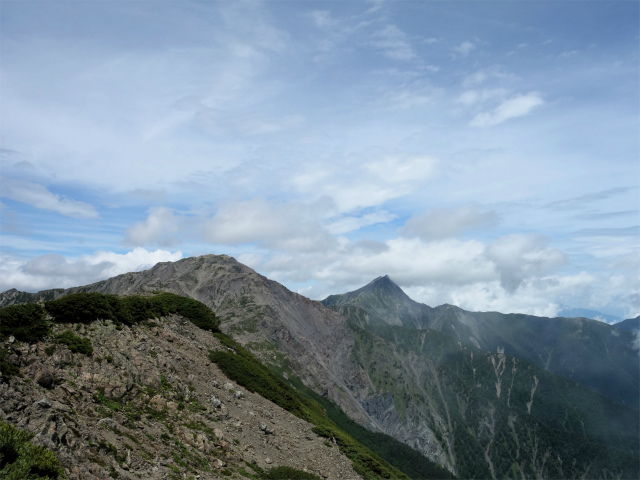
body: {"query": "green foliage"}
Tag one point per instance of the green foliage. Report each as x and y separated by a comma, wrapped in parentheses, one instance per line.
(76, 343)
(241, 366)
(585, 431)
(21, 460)
(25, 322)
(198, 313)
(287, 473)
(86, 308)
(388, 448)
(7, 369)
(107, 402)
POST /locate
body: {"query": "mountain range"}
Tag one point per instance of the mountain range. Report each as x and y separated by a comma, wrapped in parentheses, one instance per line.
(483, 394)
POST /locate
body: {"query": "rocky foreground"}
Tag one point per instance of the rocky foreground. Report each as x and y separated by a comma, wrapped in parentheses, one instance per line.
(148, 403)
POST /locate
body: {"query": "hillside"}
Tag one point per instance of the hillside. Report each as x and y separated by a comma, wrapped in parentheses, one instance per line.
(592, 353)
(629, 325)
(146, 398)
(399, 367)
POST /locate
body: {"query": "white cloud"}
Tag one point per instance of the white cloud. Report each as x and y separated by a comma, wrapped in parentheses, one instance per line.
(449, 222)
(393, 169)
(365, 181)
(514, 107)
(161, 227)
(521, 256)
(39, 196)
(472, 97)
(494, 72)
(394, 44)
(57, 271)
(278, 225)
(464, 48)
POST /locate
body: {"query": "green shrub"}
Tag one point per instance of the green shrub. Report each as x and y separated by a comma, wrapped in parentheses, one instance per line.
(21, 460)
(240, 365)
(75, 343)
(7, 369)
(198, 313)
(25, 322)
(88, 307)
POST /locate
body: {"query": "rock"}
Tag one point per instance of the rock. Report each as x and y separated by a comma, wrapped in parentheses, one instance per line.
(43, 403)
(268, 460)
(46, 378)
(238, 395)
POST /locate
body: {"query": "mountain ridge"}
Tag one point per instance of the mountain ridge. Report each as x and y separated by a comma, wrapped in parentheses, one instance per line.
(429, 377)
(588, 351)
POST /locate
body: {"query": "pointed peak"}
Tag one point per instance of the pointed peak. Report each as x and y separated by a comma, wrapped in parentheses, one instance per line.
(382, 280)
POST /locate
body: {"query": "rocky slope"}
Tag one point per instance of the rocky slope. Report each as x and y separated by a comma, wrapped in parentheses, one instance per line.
(259, 313)
(149, 404)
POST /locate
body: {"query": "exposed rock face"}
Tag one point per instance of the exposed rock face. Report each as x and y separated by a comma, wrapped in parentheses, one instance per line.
(149, 404)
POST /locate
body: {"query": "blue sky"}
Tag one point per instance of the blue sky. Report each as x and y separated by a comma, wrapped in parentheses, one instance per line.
(484, 154)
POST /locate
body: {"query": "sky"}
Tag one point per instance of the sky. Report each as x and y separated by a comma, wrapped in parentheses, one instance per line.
(480, 153)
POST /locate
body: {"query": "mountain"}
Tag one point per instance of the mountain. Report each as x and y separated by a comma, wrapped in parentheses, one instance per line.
(140, 400)
(630, 324)
(587, 351)
(454, 385)
(586, 313)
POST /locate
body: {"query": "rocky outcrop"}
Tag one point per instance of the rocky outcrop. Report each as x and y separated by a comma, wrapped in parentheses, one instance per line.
(149, 404)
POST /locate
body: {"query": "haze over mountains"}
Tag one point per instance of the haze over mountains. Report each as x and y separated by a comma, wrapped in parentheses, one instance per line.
(484, 394)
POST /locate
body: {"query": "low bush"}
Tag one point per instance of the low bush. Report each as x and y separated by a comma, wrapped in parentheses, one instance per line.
(21, 460)
(86, 308)
(25, 322)
(76, 343)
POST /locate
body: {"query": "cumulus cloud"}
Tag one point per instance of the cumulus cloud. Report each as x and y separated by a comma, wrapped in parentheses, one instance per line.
(443, 222)
(517, 106)
(57, 271)
(521, 256)
(367, 182)
(278, 225)
(161, 227)
(39, 196)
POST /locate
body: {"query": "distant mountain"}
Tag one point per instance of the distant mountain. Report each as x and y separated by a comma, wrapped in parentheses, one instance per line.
(630, 324)
(584, 350)
(586, 313)
(478, 393)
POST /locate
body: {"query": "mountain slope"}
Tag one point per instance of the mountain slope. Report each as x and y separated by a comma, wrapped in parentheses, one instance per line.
(479, 413)
(629, 325)
(145, 401)
(592, 353)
